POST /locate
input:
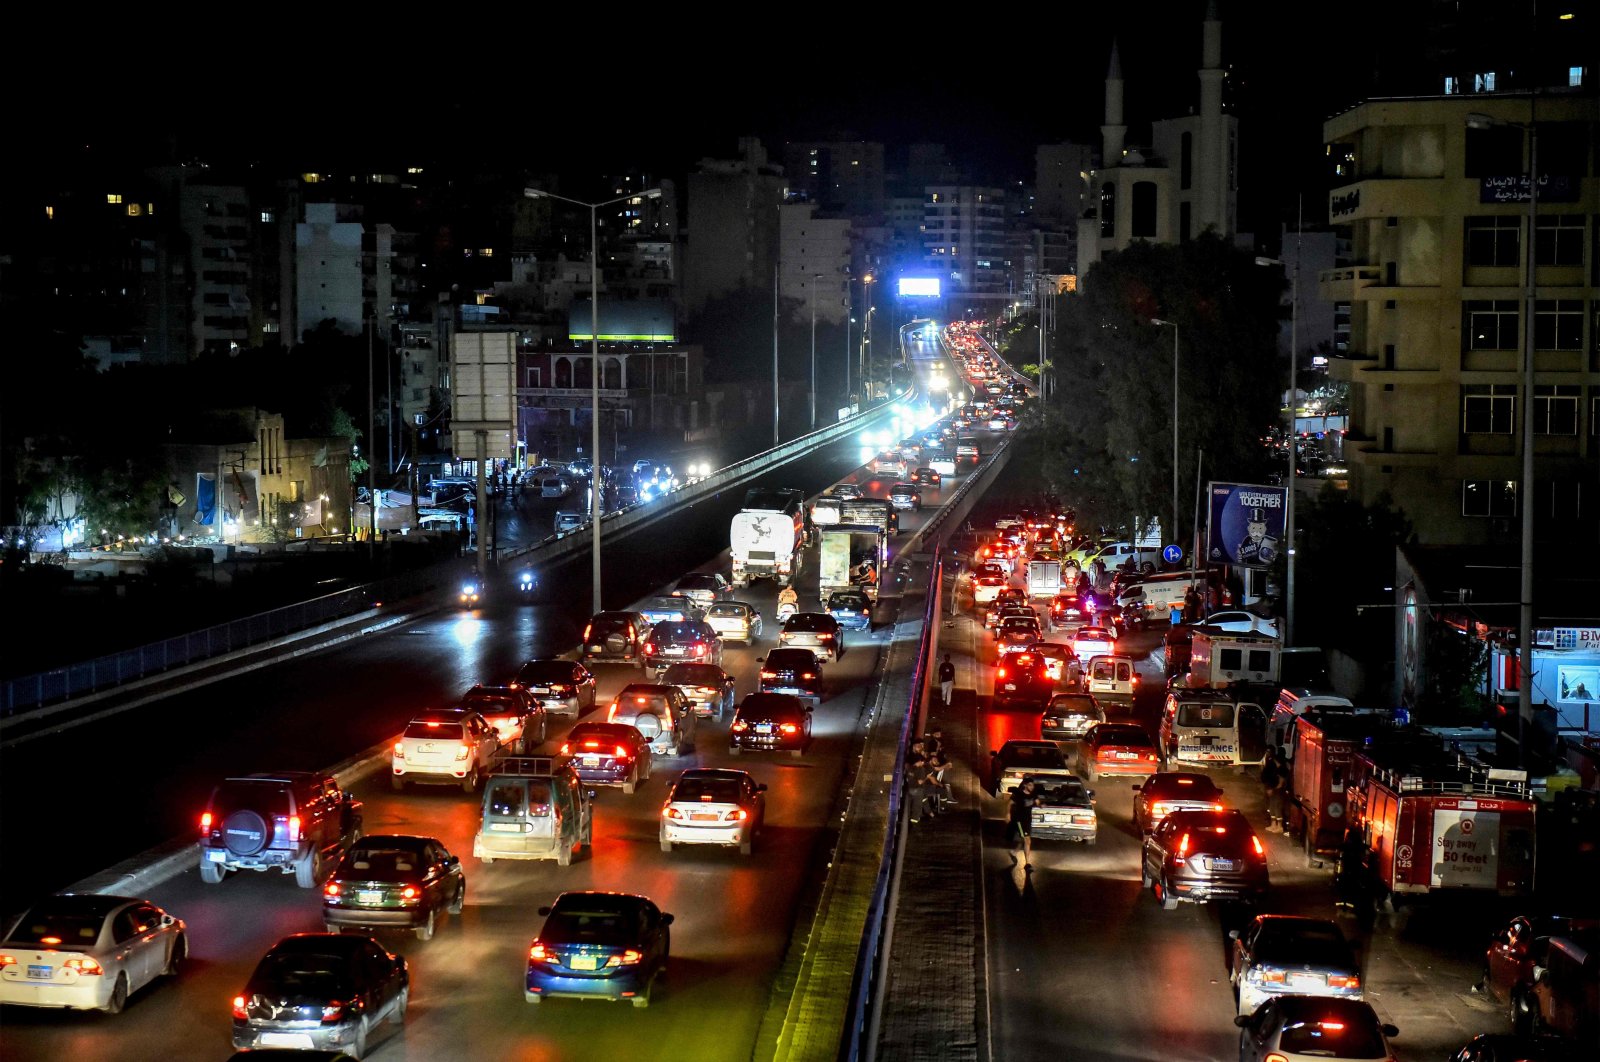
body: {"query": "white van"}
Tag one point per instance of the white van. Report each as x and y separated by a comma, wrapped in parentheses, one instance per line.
(1159, 593)
(1116, 554)
(1111, 679)
(552, 485)
(1293, 703)
(1212, 728)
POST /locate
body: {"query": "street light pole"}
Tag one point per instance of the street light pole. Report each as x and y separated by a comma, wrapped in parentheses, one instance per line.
(596, 482)
(814, 278)
(775, 434)
(1157, 321)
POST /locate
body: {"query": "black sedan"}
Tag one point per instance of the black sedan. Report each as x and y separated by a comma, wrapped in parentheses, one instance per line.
(851, 609)
(771, 722)
(608, 754)
(394, 881)
(706, 686)
(320, 992)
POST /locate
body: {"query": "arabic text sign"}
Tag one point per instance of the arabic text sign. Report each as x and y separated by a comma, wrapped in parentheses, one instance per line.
(1514, 189)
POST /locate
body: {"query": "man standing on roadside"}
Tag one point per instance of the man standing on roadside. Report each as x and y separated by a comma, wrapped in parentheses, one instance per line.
(947, 680)
(1019, 822)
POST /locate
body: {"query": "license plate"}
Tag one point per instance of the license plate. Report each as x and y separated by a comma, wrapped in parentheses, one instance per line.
(846, 612)
(763, 728)
(504, 827)
(369, 897)
(1305, 980)
(302, 1041)
(585, 962)
(1208, 741)
(1222, 864)
(1011, 687)
(539, 689)
(41, 973)
(216, 855)
(1127, 755)
(591, 760)
(597, 648)
(704, 817)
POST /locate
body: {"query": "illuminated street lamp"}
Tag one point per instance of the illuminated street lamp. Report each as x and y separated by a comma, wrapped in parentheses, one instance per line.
(595, 479)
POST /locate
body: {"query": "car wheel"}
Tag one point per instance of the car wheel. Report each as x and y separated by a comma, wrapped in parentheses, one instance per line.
(469, 784)
(564, 855)
(1521, 1016)
(175, 958)
(630, 785)
(642, 1000)
(119, 995)
(425, 930)
(460, 900)
(734, 750)
(544, 729)
(401, 1002)
(358, 1046)
(747, 846)
(330, 927)
(212, 873)
(308, 871)
(1145, 881)
(1169, 902)
(397, 783)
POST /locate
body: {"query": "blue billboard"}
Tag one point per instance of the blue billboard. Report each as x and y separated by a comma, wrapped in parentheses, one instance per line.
(919, 287)
(1247, 524)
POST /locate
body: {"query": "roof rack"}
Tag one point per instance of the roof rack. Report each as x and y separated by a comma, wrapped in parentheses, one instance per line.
(523, 767)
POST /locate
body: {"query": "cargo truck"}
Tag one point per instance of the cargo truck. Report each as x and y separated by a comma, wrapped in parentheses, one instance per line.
(1044, 578)
(841, 550)
(765, 536)
(1219, 659)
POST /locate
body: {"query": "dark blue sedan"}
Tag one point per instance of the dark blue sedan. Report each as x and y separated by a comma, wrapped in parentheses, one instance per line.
(599, 945)
(852, 609)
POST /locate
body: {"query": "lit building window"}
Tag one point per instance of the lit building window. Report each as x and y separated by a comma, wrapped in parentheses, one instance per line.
(487, 252)
(1452, 86)
(1574, 77)
(266, 216)
(50, 213)
(413, 169)
(134, 210)
(113, 198)
(149, 208)
(311, 178)
(1483, 82)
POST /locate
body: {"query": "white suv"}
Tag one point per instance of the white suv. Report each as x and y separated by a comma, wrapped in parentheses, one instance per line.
(447, 747)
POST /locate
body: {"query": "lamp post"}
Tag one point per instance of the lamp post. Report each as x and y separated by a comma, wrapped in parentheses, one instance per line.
(596, 483)
(866, 329)
(1294, 412)
(1172, 535)
(814, 278)
(1525, 490)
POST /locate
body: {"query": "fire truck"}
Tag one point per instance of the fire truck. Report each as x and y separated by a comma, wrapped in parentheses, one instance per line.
(1323, 745)
(1436, 823)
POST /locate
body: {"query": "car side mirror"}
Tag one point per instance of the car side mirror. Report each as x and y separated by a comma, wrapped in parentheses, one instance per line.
(1390, 1030)
(167, 920)
(1242, 1020)
(666, 920)
(1136, 788)
(1538, 974)
(1233, 934)
(544, 910)
(453, 861)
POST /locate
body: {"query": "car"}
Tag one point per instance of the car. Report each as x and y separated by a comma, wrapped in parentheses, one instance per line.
(985, 588)
(906, 496)
(713, 805)
(1112, 679)
(295, 822)
(671, 641)
(1501, 1047)
(666, 608)
(85, 951)
(704, 588)
(735, 621)
(890, 465)
(570, 520)
(1022, 680)
(846, 490)
(1069, 716)
(1281, 954)
(1016, 634)
(625, 497)
(1089, 642)
(1311, 1029)
(321, 991)
(1066, 811)
(534, 807)
(1167, 791)
(1061, 664)
(1198, 856)
(794, 671)
(926, 476)
(851, 609)
(988, 567)
(817, 631)
(1514, 952)
(1042, 760)
(771, 722)
(447, 747)
(608, 754)
(660, 712)
(616, 638)
(394, 881)
(1067, 612)
(563, 686)
(1007, 608)
(1117, 748)
(519, 719)
(598, 945)
(1239, 621)
(1565, 999)
(708, 689)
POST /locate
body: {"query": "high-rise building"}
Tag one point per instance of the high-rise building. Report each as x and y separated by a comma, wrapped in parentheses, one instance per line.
(964, 241)
(349, 271)
(1435, 200)
(1060, 182)
(730, 234)
(843, 177)
(814, 262)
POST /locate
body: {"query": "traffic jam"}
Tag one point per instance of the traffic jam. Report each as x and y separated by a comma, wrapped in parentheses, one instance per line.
(713, 718)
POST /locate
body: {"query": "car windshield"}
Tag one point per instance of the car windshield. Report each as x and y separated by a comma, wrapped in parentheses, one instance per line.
(1068, 792)
(1034, 756)
(604, 625)
(694, 675)
(727, 612)
(1304, 942)
(434, 731)
(809, 621)
(1072, 704)
(491, 702)
(541, 672)
(762, 709)
(852, 601)
(1122, 735)
(304, 974)
(513, 798)
(386, 864)
(1181, 787)
(603, 733)
(1226, 838)
(593, 920)
(697, 582)
(1341, 1039)
(790, 659)
(707, 790)
(668, 605)
(1217, 715)
(676, 632)
(58, 927)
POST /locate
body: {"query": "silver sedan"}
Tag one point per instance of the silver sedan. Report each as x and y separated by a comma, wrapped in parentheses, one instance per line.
(88, 952)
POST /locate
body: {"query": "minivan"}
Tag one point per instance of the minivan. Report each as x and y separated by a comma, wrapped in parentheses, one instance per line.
(1111, 679)
(1212, 727)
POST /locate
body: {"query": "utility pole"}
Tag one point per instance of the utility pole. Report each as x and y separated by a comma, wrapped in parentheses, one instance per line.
(775, 435)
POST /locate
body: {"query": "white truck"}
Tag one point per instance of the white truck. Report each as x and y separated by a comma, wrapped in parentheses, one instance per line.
(1219, 659)
(765, 537)
(1044, 578)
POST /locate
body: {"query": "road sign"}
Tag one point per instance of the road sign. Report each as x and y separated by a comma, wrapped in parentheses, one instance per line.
(1173, 553)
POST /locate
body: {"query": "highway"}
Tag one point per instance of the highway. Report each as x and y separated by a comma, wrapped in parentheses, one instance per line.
(145, 775)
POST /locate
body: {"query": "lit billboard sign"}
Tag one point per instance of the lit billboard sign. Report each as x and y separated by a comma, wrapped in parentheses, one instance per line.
(1247, 524)
(920, 287)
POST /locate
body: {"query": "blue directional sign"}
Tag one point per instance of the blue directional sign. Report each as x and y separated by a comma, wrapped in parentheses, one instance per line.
(1172, 553)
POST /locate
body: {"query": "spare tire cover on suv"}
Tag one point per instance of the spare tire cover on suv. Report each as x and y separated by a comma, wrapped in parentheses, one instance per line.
(246, 832)
(616, 642)
(649, 725)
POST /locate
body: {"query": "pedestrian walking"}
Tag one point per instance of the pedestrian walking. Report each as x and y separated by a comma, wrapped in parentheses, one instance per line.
(1350, 879)
(1019, 822)
(947, 680)
(1273, 786)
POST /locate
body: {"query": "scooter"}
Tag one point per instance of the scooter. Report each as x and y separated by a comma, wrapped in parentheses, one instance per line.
(471, 594)
(786, 609)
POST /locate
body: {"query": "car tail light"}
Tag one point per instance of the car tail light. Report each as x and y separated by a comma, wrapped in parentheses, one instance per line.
(739, 726)
(1150, 756)
(1218, 807)
(738, 815)
(1000, 673)
(788, 728)
(84, 965)
(769, 674)
(566, 749)
(399, 750)
(620, 753)
(332, 888)
(1255, 842)
(670, 812)
(239, 1013)
(294, 829)
(809, 675)
(1332, 1026)
(1269, 976)
(8, 960)
(1344, 981)
(463, 752)
(629, 957)
(1183, 848)
(586, 629)
(537, 953)
(1160, 808)
(649, 649)
(1275, 1057)
(699, 649)
(205, 823)
(825, 637)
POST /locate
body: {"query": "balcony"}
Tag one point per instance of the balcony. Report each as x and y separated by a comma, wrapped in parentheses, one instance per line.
(1341, 284)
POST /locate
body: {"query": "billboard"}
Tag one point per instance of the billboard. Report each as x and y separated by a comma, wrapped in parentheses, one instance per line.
(920, 287)
(1246, 526)
(483, 369)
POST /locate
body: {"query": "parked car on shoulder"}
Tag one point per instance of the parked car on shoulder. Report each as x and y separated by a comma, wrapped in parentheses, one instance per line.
(1514, 952)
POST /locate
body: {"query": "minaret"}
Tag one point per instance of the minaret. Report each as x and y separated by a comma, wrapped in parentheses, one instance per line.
(1212, 149)
(1113, 132)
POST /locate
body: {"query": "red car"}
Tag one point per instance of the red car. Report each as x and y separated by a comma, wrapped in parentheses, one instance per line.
(1117, 748)
(1513, 953)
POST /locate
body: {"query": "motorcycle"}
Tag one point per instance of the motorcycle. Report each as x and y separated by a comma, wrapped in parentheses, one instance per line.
(471, 594)
(525, 583)
(786, 609)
